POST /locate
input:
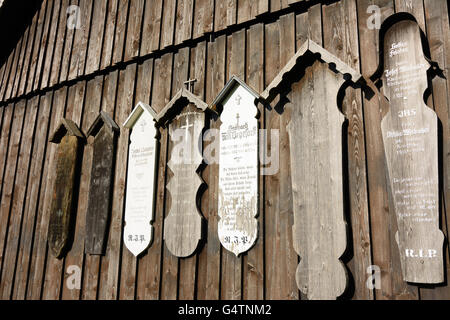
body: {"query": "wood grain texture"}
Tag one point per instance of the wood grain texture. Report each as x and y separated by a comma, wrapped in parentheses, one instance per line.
(411, 146)
(151, 27)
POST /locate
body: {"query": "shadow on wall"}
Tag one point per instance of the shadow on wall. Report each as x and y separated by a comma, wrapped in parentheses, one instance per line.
(15, 17)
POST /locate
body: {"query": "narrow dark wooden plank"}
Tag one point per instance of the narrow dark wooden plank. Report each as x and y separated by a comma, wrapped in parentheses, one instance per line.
(59, 45)
(79, 47)
(44, 46)
(10, 176)
(36, 45)
(168, 23)
(19, 70)
(48, 61)
(203, 17)
(120, 32)
(69, 42)
(132, 41)
(13, 71)
(110, 28)
(183, 27)
(38, 253)
(32, 197)
(151, 27)
(96, 38)
(18, 199)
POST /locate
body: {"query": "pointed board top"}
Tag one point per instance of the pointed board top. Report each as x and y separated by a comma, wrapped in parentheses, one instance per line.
(180, 97)
(66, 127)
(102, 119)
(231, 84)
(136, 113)
(308, 48)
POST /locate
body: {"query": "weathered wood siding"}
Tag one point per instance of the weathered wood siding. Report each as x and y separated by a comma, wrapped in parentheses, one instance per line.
(125, 52)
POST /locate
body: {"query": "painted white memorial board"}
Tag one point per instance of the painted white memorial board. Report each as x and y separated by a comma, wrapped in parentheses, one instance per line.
(238, 171)
(141, 177)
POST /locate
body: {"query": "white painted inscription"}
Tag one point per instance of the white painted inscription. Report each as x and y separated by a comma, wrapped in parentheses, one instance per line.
(238, 172)
(138, 232)
(411, 143)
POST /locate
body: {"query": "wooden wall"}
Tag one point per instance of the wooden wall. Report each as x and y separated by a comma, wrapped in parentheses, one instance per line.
(143, 50)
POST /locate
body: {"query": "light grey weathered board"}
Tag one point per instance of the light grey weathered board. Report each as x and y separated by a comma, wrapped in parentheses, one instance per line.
(315, 137)
(141, 178)
(238, 167)
(410, 135)
(183, 225)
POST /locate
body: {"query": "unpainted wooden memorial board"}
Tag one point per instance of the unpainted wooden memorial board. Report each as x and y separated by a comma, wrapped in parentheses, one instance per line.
(183, 224)
(410, 135)
(141, 179)
(104, 131)
(68, 137)
(315, 136)
(238, 171)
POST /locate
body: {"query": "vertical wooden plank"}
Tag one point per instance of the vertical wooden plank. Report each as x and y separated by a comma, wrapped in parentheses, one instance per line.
(4, 140)
(126, 103)
(184, 18)
(187, 266)
(225, 14)
(8, 65)
(110, 29)
(82, 108)
(44, 46)
(51, 287)
(109, 262)
(31, 198)
(121, 27)
(341, 39)
(437, 23)
(69, 42)
(415, 7)
(133, 37)
(250, 9)
(79, 49)
(38, 253)
(152, 27)
(21, 61)
(203, 17)
(96, 38)
(11, 246)
(13, 73)
(10, 175)
(231, 278)
(59, 46)
(48, 61)
(36, 45)
(168, 23)
(28, 54)
(147, 284)
(280, 256)
(253, 266)
(276, 5)
(92, 264)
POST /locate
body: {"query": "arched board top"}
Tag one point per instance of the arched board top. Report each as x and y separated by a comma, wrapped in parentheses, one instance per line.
(238, 167)
(141, 178)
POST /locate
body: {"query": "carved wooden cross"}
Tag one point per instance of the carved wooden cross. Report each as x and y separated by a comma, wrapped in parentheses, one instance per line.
(190, 84)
